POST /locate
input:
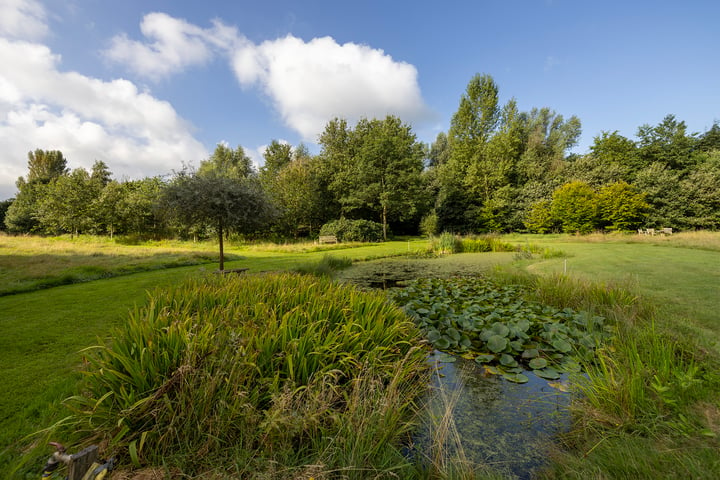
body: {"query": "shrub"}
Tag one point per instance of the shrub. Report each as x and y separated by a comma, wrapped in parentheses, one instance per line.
(429, 224)
(353, 230)
(275, 370)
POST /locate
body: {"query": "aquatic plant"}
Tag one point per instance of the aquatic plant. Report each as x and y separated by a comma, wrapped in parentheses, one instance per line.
(498, 328)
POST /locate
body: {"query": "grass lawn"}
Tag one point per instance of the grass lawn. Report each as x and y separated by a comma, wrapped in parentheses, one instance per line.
(680, 275)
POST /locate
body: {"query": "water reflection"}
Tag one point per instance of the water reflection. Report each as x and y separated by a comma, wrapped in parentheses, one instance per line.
(506, 426)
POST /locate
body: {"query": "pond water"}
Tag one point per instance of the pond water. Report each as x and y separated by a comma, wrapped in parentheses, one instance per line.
(505, 426)
(502, 427)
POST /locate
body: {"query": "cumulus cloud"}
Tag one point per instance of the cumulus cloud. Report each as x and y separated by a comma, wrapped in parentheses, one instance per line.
(176, 45)
(86, 118)
(309, 83)
(312, 82)
(22, 19)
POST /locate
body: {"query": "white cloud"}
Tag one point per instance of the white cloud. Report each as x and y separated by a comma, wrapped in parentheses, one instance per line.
(312, 82)
(22, 19)
(176, 45)
(86, 118)
(309, 83)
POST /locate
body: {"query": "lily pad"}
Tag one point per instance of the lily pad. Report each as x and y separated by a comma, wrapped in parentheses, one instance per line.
(507, 360)
(515, 377)
(444, 358)
(485, 358)
(497, 344)
(538, 363)
(548, 373)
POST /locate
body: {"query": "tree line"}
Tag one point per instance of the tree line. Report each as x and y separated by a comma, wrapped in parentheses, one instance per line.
(497, 169)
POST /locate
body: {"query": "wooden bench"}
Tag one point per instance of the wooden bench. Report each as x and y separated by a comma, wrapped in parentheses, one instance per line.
(231, 270)
(327, 239)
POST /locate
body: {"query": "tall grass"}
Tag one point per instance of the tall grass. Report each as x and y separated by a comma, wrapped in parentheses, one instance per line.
(269, 371)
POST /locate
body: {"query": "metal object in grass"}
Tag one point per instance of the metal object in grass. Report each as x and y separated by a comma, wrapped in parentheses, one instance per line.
(81, 466)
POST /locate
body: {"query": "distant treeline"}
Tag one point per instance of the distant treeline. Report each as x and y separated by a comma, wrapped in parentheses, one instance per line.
(497, 169)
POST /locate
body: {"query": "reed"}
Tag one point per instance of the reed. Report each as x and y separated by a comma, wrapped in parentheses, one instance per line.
(282, 369)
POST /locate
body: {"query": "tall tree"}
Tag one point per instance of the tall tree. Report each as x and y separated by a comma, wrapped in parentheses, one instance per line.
(66, 205)
(377, 168)
(100, 173)
(667, 143)
(45, 166)
(227, 162)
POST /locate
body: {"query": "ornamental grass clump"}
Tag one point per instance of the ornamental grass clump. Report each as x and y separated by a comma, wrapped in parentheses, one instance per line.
(268, 371)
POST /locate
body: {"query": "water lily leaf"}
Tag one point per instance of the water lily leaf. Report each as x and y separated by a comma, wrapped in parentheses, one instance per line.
(548, 373)
(531, 353)
(516, 345)
(422, 311)
(433, 335)
(485, 358)
(500, 329)
(497, 344)
(561, 345)
(442, 357)
(508, 360)
(515, 377)
(570, 366)
(442, 343)
(453, 334)
(489, 369)
(538, 363)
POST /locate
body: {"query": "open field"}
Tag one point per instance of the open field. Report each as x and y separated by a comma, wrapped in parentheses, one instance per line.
(44, 330)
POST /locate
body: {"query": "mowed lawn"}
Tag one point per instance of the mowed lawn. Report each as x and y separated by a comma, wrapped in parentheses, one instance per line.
(679, 276)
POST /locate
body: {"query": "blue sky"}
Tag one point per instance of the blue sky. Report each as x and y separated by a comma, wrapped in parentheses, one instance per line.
(149, 85)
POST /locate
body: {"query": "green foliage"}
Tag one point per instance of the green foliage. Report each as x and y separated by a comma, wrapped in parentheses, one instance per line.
(375, 169)
(574, 207)
(539, 218)
(353, 230)
(273, 368)
(498, 327)
(446, 243)
(621, 206)
(4, 206)
(429, 224)
(211, 199)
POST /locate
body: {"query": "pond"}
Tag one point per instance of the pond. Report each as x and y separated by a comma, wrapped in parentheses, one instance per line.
(498, 426)
(507, 427)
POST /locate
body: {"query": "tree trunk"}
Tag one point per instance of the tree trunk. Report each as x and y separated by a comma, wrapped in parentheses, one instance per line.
(220, 240)
(384, 221)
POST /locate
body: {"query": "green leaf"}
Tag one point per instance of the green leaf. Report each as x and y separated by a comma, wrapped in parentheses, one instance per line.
(548, 373)
(561, 345)
(500, 329)
(538, 363)
(508, 360)
(531, 353)
(445, 358)
(515, 377)
(497, 344)
(485, 358)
